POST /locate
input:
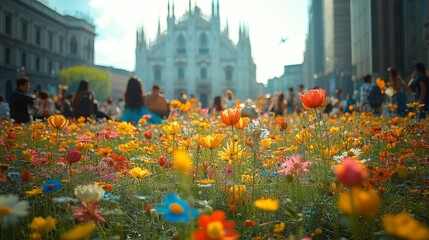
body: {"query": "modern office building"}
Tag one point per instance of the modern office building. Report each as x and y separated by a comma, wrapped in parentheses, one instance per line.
(195, 56)
(38, 42)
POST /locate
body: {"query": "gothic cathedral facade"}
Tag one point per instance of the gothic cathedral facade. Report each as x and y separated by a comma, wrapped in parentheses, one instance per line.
(195, 56)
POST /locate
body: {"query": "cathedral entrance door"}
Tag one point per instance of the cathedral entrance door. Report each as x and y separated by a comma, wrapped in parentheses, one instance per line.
(204, 100)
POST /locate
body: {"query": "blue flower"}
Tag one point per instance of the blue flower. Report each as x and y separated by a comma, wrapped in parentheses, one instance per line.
(176, 209)
(108, 196)
(51, 185)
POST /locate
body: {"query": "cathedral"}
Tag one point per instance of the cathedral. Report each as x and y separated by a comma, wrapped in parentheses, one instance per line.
(193, 55)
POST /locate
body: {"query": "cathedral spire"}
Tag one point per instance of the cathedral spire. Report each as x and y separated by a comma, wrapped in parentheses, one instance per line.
(227, 28)
(217, 10)
(159, 26)
(190, 7)
(212, 8)
(173, 10)
(168, 9)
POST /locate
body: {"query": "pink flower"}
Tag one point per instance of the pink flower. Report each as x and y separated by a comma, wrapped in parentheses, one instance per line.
(351, 172)
(87, 212)
(204, 111)
(294, 166)
(147, 116)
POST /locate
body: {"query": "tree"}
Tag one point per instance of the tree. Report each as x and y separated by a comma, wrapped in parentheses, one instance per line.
(99, 81)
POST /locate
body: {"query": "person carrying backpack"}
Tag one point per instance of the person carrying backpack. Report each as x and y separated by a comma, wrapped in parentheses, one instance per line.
(371, 97)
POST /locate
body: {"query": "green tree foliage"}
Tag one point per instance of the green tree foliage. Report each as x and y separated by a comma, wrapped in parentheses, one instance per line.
(99, 81)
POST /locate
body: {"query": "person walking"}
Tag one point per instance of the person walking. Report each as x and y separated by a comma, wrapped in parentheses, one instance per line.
(20, 101)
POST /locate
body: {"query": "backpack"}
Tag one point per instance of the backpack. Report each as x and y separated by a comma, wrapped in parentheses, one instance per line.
(375, 98)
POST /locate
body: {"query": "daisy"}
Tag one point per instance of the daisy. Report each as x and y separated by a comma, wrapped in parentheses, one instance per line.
(11, 208)
(176, 209)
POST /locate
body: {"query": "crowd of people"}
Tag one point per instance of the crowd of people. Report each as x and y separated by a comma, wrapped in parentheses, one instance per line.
(389, 98)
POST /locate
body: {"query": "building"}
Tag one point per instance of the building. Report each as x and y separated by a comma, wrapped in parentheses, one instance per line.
(195, 56)
(337, 45)
(119, 80)
(38, 42)
(292, 77)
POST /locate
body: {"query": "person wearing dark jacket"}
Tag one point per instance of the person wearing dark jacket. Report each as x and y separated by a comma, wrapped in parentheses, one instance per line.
(20, 101)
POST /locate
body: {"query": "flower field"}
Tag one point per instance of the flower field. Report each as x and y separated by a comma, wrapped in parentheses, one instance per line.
(216, 176)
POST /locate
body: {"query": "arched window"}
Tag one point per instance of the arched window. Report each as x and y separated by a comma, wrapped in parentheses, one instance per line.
(73, 46)
(203, 73)
(228, 74)
(157, 74)
(204, 49)
(181, 73)
(181, 45)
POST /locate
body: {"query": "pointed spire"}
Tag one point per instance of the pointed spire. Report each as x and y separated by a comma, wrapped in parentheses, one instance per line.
(168, 9)
(217, 10)
(212, 8)
(159, 26)
(174, 16)
(227, 28)
(190, 7)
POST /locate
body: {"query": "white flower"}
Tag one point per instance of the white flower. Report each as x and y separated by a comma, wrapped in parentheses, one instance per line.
(89, 193)
(11, 208)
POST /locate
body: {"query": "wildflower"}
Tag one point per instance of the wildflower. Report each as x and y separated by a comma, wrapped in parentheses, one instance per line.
(43, 225)
(172, 128)
(11, 208)
(279, 227)
(73, 156)
(351, 172)
(404, 226)
(51, 185)
(365, 203)
(230, 116)
(267, 204)
(89, 193)
(242, 123)
(88, 212)
(215, 227)
(313, 99)
(249, 223)
(266, 142)
(79, 232)
(35, 191)
(139, 173)
(57, 121)
(182, 162)
(232, 151)
(236, 195)
(211, 141)
(25, 176)
(176, 209)
(104, 151)
(294, 166)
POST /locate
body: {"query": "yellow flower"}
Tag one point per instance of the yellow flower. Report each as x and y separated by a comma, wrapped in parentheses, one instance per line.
(404, 226)
(232, 151)
(57, 121)
(247, 178)
(236, 195)
(266, 142)
(33, 192)
(242, 123)
(104, 151)
(211, 141)
(267, 204)
(125, 128)
(43, 225)
(182, 161)
(172, 128)
(79, 232)
(279, 227)
(139, 173)
(365, 203)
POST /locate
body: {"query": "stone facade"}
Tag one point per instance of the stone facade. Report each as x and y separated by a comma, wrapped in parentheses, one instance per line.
(195, 56)
(38, 42)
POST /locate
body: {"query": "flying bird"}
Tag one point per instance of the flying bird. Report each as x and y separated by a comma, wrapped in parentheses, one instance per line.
(283, 40)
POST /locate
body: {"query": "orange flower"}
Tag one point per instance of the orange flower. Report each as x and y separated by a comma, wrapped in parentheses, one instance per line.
(365, 203)
(215, 227)
(211, 141)
(313, 99)
(57, 121)
(242, 123)
(230, 116)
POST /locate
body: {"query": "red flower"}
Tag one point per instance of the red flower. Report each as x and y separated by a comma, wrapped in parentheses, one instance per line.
(313, 99)
(25, 176)
(73, 156)
(230, 116)
(351, 172)
(215, 227)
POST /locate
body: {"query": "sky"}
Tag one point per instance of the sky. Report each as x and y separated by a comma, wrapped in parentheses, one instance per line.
(268, 21)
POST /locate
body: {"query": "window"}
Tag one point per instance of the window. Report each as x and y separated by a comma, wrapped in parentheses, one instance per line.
(203, 73)
(228, 74)
(8, 24)
(50, 67)
(157, 74)
(181, 45)
(23, 59)
(37, 64)
(73, 46)
(203, 44)
(50, 40)
(38, 36)
(24, 31)
(7, 56)
(181, 73)
(88, 50)
(61, 44)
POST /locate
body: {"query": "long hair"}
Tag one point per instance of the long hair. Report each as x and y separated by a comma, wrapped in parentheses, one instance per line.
(217, 103)
(394, 79)
(81, 89)
(134, 94)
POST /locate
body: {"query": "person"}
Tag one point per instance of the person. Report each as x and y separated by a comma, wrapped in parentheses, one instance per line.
(134, 104)
(291, 105)
(419, 87)
(110, 107)
(364, 91)
(45, 106)
(229, 99)
(84, 103)
(156, 103)
(280, 105)
(4, 108)
(183, 97)
(217, 105)
(350, 103)
(66, 108)
(399, 94)
(19, 101)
